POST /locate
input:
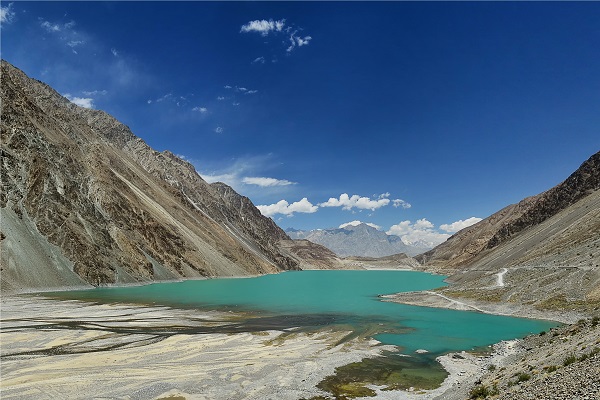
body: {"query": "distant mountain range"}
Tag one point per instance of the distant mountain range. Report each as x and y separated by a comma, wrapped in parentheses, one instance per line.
(358, 239)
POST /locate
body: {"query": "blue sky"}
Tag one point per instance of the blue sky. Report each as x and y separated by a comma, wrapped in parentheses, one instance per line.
(412, 116)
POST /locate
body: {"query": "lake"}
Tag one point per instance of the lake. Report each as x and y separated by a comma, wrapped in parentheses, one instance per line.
(349, 299)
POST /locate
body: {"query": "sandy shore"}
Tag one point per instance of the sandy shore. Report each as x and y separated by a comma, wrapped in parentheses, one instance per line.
(69, 349)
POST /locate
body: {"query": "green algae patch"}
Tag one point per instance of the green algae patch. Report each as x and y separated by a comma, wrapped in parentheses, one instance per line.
(389, 372)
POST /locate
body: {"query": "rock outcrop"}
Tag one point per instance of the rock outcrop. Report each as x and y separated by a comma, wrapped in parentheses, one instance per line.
(102, 207)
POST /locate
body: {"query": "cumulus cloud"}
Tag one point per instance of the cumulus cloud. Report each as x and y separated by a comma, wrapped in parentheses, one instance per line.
(80, 101)
(460, 224)
(263, 27)
(421, 232)
(356, 201)
(285, 208)
(219, 129)
(356, 223)
(266, 182)
(220, 98)
(114, 52)
(201, 110)
(6, 14)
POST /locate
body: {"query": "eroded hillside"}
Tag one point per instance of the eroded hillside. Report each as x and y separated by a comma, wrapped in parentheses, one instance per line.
(84, 200)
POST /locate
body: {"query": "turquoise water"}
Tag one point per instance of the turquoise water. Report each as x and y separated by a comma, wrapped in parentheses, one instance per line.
(340, 298)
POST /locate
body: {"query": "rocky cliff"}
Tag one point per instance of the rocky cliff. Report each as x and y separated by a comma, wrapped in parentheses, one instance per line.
(85, 200)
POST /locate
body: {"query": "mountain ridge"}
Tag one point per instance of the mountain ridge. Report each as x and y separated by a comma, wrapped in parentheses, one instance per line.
(116, 209)
(465, 246)
(360, 240)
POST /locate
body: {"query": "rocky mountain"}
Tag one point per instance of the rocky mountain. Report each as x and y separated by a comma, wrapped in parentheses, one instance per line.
(543, 252)
(473, 243)
(357, 240)
(314, 256)
(84, 200)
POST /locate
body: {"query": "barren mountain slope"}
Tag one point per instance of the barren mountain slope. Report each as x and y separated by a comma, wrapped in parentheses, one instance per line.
(99, 205)
(541, 254)
(466, 246)
(314, 256)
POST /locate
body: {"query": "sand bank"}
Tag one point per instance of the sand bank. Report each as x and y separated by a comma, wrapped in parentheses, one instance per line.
(69, 349)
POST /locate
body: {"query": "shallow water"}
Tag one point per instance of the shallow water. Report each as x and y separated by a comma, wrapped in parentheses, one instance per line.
(348, 299)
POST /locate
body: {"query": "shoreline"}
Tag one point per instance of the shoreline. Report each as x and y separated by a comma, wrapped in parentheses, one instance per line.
(432, 299)
(463, 368)
(288, 363)
(140, 352)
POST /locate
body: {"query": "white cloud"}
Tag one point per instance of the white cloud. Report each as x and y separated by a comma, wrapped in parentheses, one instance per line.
(356, 223)
(259, 60)
(75, 43)
(241, 89)
(220, 98)
(296, 40)
(64, 33)
(401, 203)
(235, 104)
(94, 92)
(266, 182)
(227, 87)
(49, 27)
(251, 91)
(356, 201)
(114, 52)
(6, 14)
(163, 98)
(263, 26)
(460, 224)
(80, 101)
(219, 129)
(421, 232)
(285, 208)
(245, 174)
(201, 110)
